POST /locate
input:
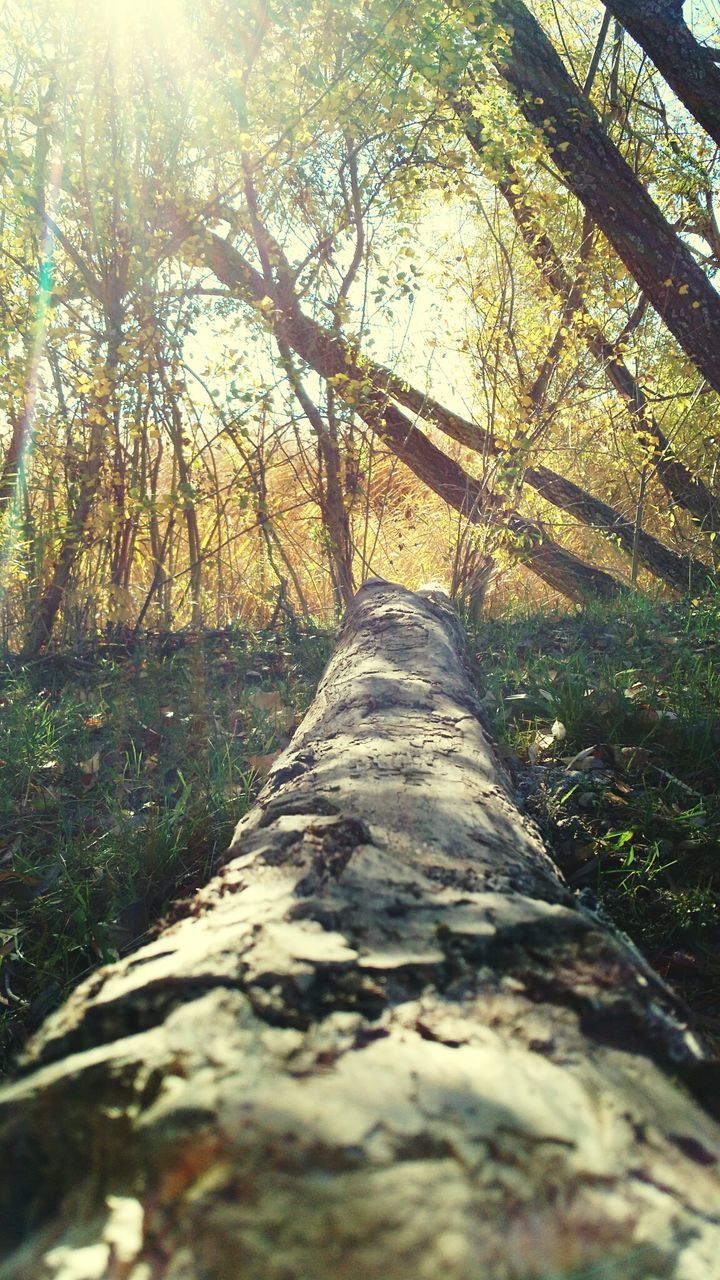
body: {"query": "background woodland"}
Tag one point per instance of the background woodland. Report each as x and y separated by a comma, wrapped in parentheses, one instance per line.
(295, 293)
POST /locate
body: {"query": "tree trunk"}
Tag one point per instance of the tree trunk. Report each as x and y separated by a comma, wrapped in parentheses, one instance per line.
(103, 409)
(386, 1040)
(684, 573)
(690, 69)
(595, 171)
(329, 491)
(12, 460)
(554, 564)
(353, 377)
(46, 610)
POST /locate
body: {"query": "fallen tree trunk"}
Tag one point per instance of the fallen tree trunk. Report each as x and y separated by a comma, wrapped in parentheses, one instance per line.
(386, 1040)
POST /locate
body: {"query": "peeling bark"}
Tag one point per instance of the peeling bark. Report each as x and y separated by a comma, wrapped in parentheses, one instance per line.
(385, 1040)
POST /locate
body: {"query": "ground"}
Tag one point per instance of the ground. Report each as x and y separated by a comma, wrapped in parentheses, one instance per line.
(124, 769)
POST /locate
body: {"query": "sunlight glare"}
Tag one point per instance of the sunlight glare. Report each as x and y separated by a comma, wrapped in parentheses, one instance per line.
(128, 17)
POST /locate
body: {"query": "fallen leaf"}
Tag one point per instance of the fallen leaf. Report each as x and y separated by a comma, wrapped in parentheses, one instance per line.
(92, 764)
(263, 764)
(266, 701)
(601, 756)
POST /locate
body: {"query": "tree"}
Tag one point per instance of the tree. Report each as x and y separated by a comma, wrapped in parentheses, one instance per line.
(686, 489)
(689, 67)
(230, 464)
(386, 1039)
(369, 389)
(596, 172)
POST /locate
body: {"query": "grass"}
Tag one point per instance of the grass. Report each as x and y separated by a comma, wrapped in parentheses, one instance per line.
(640, 680)
(121, 779)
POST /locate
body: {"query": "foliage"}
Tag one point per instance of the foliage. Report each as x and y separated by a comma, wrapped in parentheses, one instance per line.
(166, 456)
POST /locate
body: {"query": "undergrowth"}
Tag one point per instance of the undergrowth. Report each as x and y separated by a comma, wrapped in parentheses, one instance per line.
(122, 776)
(633, 690)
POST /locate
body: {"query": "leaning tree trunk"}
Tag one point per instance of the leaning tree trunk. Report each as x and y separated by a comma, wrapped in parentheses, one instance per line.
(595, 171)
(386, 1041)
(688, 490)
(688, 66)
(368, 388)
(348, 368)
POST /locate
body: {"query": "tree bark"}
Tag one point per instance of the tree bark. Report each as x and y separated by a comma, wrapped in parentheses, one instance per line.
(690, 69)
(386, 1040)
(12, 460)
(684, 573)
(595, 171)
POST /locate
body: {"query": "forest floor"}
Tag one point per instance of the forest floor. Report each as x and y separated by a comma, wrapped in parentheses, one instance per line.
(122, 775)
(609, 721)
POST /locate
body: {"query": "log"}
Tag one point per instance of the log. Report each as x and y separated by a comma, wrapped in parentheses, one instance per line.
(385, 1041)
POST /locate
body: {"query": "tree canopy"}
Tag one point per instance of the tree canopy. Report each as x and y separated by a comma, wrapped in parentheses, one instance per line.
(293, 293)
